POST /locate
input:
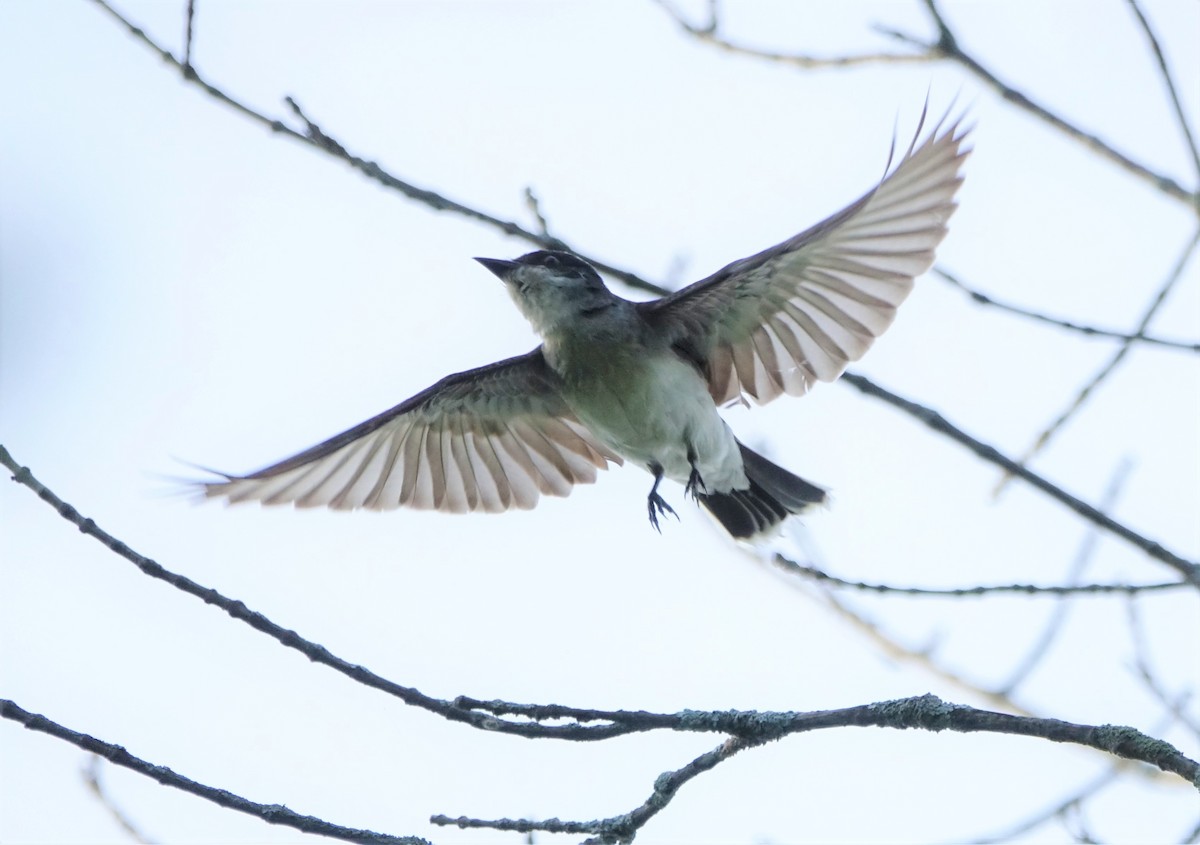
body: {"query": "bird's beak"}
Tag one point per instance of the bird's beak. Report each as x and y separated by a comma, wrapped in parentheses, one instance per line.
(499, 266)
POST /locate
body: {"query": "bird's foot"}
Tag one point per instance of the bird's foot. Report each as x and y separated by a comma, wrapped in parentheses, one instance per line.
(656, 505)
(695, 485)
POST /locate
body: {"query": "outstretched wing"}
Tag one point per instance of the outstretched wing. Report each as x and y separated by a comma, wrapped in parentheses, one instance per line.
(801, 311)
(489, 439)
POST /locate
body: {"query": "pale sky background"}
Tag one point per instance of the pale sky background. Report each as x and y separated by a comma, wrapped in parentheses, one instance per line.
(177, 282)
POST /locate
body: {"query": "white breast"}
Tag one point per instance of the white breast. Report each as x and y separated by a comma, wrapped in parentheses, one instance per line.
(653, 409)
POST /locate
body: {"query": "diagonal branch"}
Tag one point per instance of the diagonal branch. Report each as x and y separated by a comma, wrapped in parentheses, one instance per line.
(317, 139)
(809, 571)
(489, 715)
(948, 47)
(291, 639)
(1173, 704)
(1085, 393)
(187, 36)
(1188, 569)
(1092, 331)
(1087, 792)
(624, 827)
(923, 657)
(1083, 559)
(709, 33)
(926, 712)
(271, 813)
(91, 777)
(1172, 91)
(744, 729)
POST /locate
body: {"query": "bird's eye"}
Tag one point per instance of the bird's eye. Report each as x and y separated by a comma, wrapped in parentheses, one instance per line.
(552, 262)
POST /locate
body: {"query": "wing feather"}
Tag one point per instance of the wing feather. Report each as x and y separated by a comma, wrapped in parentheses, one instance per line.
(487, 439)
(801, 311)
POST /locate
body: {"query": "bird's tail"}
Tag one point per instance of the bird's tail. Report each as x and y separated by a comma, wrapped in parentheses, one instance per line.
(774, 495)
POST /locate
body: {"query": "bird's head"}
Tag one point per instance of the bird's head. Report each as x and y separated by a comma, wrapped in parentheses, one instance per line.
(553, 289)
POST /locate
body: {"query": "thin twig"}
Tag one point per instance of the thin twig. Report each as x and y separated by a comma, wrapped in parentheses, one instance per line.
(1173, 705)
(1058, 616)
(709, 33)
(1091, 331)
(926, 712)
(947, 46)
(1076, 798)
(317, 139)
(929, 712)
(1085, 393)
(923, 658)
(809, 571)
(187, 40)
(624, 827)
(191, 76)
(91, 776)
(746, 729)
(1172, 91)
(314, 652)
(270, 813)
(932, 419)
(1088, 790)
(535, 208)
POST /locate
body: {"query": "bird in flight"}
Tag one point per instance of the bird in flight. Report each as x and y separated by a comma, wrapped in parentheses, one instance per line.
(615, 380)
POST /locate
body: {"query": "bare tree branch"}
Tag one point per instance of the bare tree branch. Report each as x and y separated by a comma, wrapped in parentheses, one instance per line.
(91, 776)
(1091, 331)
(745, 729)
(925, 658)
(289, 638)
(1074, 799)
(1173, 705)
(1088, 790)
(437, 202)
(187, 39)
(807, 570)
(535, 208)
(190, 75)
(948, 47)
(742, 729)
(270, 813)
(622, 828)
(581, 726)
(316, 138)
(1172, 91)
(1085, 393)
(932, 419)
(926, 712)
(462, 709)
(1083, 559)
(709, 33)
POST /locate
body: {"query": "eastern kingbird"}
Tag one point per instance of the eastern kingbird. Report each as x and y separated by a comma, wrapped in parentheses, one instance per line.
(615, 380)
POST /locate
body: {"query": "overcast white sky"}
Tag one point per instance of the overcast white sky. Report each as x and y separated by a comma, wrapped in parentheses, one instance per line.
(177, 282)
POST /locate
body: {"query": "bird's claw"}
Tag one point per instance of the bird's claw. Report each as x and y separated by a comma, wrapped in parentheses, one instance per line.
(656, 505)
